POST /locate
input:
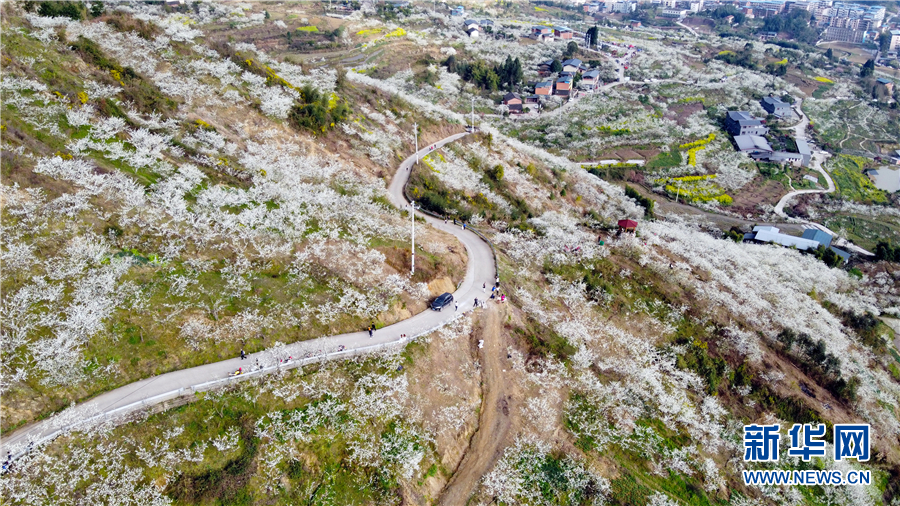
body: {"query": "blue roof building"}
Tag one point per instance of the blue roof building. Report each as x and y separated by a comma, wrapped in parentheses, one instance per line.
(823, 238)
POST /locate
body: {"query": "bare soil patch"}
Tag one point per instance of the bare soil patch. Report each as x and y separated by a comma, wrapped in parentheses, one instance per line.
(498, 411)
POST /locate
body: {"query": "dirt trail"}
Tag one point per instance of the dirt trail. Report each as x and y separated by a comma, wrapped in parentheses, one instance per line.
(495, 418)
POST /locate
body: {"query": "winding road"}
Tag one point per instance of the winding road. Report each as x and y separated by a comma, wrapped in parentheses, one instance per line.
(113, 406)
(816, 163)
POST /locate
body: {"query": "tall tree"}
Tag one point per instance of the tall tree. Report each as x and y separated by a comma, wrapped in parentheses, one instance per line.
(868, 68)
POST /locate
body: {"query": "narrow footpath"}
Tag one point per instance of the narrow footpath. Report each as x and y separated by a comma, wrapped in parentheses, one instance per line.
(495, 418)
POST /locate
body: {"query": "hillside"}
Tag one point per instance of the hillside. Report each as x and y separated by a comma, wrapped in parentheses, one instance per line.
(181, 184)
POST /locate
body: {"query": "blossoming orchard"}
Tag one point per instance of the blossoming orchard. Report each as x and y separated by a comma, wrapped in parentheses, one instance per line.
(386, 252)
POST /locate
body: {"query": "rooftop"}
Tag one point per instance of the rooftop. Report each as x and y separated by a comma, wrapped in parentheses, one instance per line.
(814, 234)
(772, 234)
(777, 102)
(752, 142)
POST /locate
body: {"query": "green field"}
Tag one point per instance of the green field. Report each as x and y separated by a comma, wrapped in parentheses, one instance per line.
(852, 184)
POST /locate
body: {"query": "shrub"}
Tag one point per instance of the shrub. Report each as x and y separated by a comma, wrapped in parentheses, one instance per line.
(71, 10)
(642, 201)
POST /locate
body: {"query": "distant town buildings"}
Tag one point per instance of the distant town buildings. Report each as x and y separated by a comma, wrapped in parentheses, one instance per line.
(895, 40)
(848, 22)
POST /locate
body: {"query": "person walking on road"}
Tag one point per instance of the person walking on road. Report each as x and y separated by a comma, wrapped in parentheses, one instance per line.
(455, 306)
(371, 331)
(483, 287)
(476, 302)
(243, 355)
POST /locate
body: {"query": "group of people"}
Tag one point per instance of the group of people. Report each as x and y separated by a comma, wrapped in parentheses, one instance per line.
(495, 292)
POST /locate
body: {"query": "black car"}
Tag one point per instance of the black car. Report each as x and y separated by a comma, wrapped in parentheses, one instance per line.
(441, 301)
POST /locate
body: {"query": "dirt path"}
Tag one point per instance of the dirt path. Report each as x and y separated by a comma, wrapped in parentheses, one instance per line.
(664, 207)
(495, 420)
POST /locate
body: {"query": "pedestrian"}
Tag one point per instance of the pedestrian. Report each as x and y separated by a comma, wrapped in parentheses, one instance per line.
(455, 306)
(476, 302)
(502, 297)
(257, 365)
(464, 225)
(493, 289)
(483, 287)
(243, 355)
(492, 295)
(371, 331)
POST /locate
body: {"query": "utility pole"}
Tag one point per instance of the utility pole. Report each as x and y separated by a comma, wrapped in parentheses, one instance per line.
(677, 190)
(412, 215)
(416, 133)
(473, 114)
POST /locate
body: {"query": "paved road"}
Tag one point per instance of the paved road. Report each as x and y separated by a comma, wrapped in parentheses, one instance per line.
(816, 162)
(688, 28)
(481, 269)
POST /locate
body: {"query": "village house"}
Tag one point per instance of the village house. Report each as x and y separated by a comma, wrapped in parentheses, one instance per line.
(544, 68)
(470, 24)
(513, 101)
(459, 10)
(572, 65)
(784, 158)
(811, 240)
(805, 152)
(744, 123)
(590, 80)
(563, 32)
(544, 88)
(886, 83)
(776, 107)
(564, 86)
(753, 145)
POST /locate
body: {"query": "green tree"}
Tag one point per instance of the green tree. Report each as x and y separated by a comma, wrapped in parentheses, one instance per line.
(492, 81)
(884, 42)
(556, 66)
(868, 68)
(97, 9)
(267, 14)
(829, 53)
(571, 49)
(70, 10)
(496, 173)
(450, 63)
(592, 35)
